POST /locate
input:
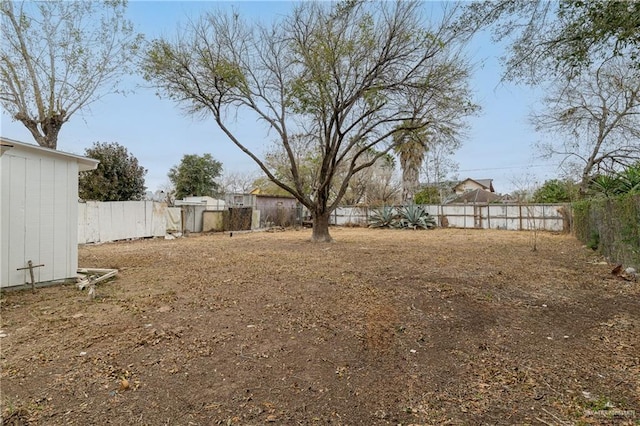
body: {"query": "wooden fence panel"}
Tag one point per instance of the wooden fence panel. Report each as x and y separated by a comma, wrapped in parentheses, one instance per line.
(238, 219)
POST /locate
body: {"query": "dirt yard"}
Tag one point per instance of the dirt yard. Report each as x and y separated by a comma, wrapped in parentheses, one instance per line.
(380, 327)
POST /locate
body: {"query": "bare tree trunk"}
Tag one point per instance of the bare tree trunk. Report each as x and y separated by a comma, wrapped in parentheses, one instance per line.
(583, 187)
(47, 138)
(320, 232)
(591, 162)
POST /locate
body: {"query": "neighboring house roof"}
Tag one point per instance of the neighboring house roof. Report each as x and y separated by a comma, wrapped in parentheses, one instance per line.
(486, 184)
(84, 163)
(476, 196)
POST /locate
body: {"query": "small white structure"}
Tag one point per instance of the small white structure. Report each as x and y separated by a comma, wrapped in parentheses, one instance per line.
(38, 212)
(193, 209)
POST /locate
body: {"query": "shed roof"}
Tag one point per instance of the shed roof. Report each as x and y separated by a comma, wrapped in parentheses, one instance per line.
(84, 163)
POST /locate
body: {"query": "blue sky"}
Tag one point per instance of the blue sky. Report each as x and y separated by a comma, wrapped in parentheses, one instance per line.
(498, 146)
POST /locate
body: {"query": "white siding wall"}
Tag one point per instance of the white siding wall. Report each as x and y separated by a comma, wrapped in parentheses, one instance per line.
(5, 176)
(39, 216)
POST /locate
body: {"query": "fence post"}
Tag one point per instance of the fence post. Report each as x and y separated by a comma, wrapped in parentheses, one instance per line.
(464, 215)
(520, 216)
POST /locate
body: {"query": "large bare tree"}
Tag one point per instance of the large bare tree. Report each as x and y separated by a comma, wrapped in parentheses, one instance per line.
(594, 119)
(57, 57)
(586, 55)
(344, 75)
(548, 39)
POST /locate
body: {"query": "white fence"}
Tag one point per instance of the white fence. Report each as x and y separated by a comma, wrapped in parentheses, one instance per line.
(120, 220)
(548, 217)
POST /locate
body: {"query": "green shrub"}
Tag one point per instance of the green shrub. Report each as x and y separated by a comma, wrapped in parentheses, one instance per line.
(610, 225)
(556, 191)
(427, 195)
(594, 241)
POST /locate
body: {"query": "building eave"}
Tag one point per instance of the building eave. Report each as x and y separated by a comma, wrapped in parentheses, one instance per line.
(84, 163)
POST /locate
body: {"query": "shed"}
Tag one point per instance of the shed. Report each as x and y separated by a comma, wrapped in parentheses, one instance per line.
(38, 212)
(278, 210)
(193, 209)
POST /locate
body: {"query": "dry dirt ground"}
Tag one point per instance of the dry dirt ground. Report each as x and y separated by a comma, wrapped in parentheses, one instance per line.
(380, 327)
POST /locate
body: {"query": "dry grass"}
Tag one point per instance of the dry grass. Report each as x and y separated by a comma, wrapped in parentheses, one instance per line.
(380, 327)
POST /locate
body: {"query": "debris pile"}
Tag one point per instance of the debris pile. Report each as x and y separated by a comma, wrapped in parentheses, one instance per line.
(90, 277)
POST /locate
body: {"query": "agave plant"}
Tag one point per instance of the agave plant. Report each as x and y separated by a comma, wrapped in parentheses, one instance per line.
(606, 185)
(624, 182)
(414, 216)
(383, 217)
(630, 180)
